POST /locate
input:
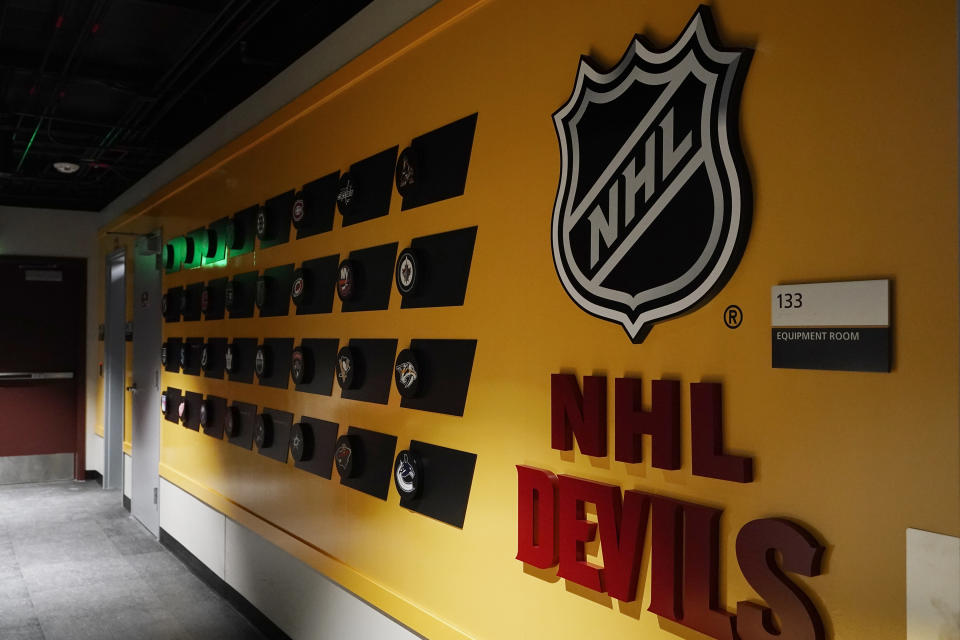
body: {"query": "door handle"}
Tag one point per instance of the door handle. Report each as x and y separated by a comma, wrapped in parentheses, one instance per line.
(132, 388)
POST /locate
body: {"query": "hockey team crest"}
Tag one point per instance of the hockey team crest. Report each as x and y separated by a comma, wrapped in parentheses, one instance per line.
(654, 204)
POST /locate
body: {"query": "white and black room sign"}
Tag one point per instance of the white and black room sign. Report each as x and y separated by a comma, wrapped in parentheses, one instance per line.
(654, 203)
(841, 326)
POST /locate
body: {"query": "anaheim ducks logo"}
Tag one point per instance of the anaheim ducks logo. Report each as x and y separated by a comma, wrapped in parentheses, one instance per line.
(653, 206)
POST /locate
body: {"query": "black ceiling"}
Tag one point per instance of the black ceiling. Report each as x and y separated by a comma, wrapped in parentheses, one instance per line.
(116, 86)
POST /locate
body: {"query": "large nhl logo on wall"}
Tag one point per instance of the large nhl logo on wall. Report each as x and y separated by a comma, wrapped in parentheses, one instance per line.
(654, 204)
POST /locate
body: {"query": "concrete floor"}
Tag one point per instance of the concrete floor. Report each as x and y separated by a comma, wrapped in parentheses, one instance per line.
(74, 565)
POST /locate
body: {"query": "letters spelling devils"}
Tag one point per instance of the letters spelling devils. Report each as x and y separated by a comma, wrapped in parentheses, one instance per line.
(684, 537)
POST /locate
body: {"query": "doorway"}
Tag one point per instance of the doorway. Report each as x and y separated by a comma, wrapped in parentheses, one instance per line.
(42, 367)
(114, 361)
(145, 440)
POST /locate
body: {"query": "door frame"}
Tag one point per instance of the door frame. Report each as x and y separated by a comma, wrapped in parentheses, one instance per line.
(114, 372)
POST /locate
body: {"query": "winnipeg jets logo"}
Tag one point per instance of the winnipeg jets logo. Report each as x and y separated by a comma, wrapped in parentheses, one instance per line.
(653, 207)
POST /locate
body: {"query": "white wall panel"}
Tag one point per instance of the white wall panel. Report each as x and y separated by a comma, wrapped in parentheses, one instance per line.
(933, 586)
(194, 525)
(127, 475)
(299, 600)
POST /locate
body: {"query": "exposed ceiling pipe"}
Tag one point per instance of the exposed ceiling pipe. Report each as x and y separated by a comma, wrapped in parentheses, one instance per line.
(262, 11)
(93, 16)
(130, 120)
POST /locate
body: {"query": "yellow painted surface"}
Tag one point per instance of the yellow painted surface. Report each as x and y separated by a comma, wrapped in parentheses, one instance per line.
(849, 126)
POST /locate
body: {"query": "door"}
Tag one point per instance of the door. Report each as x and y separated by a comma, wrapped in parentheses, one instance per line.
(42, 350)
(145, 437)
(115, 366)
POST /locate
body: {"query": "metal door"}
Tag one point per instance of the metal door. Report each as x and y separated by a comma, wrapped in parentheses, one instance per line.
(147, 329)
(115, 368)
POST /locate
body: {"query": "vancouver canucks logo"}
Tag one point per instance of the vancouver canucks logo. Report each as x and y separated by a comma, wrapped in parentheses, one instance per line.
(654, 204)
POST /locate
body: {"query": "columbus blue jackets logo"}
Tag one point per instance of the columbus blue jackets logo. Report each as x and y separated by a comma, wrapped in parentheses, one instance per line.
(654, 203)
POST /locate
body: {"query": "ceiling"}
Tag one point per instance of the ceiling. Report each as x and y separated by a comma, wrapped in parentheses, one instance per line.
(117, 86)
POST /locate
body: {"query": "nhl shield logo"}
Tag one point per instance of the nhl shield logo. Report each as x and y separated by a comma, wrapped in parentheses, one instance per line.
(654, 203)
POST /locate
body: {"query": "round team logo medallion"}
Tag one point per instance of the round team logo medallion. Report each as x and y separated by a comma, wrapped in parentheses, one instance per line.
(407, 272)
(406, 374)
(298, 212)
(346, 368)
(205, 300)
(344, 456)
(184, 356)
(261, 365)
(346, 194)
(163, 355)
(347, 280)
(299, 286)
(408, 176)
(204, 414)
(183, 411)
(263, 224)
(262, 290)
(205, 357)
(211, 237)
(407, 474)
(191, 254)
(164, 305)
(301, 442)
(229, 359)
(233, 236)
(231, 422)
(263, 436)
(301, 368)
(163, 403)
(230, 295)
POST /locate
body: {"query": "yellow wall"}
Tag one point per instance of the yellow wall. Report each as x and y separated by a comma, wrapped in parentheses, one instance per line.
(849, 127)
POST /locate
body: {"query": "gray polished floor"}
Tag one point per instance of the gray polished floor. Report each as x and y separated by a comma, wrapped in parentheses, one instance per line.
(74, 565)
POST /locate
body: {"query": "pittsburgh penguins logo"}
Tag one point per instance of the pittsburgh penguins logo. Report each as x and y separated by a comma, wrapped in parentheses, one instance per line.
(346, 368)
(651, 217)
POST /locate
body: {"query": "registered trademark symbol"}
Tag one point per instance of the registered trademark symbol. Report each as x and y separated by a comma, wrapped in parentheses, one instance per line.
(732, 316)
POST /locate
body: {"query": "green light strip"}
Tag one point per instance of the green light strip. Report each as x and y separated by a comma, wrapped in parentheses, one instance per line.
(29, 144)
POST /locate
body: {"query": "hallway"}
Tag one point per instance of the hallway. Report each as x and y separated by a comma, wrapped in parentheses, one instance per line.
(75, 565)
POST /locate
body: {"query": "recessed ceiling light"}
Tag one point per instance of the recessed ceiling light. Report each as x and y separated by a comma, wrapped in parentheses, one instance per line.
(66, 167)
